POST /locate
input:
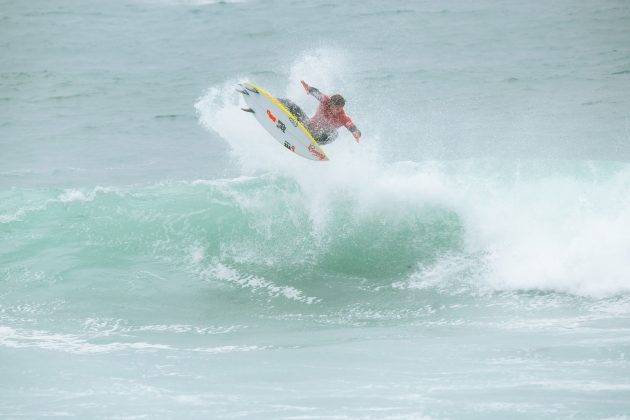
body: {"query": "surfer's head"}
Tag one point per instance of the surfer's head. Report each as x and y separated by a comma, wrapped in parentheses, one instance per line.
(337, 101)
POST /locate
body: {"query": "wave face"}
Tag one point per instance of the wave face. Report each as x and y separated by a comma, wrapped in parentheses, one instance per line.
(162, 257)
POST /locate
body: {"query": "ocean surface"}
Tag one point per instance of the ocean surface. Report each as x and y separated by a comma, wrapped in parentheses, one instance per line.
(162, 257)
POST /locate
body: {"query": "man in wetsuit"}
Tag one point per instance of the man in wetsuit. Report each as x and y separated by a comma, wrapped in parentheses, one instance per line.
(328, 117)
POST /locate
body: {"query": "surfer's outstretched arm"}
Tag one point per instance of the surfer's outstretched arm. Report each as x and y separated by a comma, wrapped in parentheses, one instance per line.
(312, 91)
(353, 129)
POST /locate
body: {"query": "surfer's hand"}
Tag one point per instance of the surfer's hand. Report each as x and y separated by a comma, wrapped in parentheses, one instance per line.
(357, 135)
(305, 85)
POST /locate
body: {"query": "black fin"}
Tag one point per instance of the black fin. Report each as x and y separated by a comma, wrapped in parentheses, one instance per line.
(244, 92)
(248, 110)
(251, 89)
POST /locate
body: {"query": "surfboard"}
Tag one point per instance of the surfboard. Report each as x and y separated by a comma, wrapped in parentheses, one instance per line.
(280, 123)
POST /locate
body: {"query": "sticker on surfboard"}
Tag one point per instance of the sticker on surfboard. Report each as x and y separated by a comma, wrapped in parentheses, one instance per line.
(280, 123)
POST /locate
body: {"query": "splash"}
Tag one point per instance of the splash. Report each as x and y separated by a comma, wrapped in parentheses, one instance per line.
(559, 226)
(559, 232)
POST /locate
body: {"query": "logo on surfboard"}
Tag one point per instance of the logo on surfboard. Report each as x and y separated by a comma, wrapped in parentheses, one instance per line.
(289, 146)
(279, 123)
(319, 155)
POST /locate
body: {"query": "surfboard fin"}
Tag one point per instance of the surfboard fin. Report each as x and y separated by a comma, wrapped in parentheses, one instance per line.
(248, 110)
(244, 92)
(252, 89)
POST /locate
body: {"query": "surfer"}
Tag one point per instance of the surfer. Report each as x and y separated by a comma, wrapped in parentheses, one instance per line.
(328, 117)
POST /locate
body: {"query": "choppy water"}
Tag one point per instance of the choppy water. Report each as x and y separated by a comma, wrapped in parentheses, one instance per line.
(162, 257)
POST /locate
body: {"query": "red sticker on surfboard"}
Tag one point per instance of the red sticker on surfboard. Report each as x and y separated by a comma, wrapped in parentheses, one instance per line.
(319, 155)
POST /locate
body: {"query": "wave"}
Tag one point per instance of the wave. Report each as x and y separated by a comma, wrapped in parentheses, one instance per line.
(548, 225)
(456, 227)
(293, 230)
(499, 224)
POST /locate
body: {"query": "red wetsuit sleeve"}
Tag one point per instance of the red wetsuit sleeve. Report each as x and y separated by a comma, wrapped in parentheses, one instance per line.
(346, 121)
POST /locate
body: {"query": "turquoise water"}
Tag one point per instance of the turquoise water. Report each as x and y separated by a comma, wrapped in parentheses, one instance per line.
(162, 257)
